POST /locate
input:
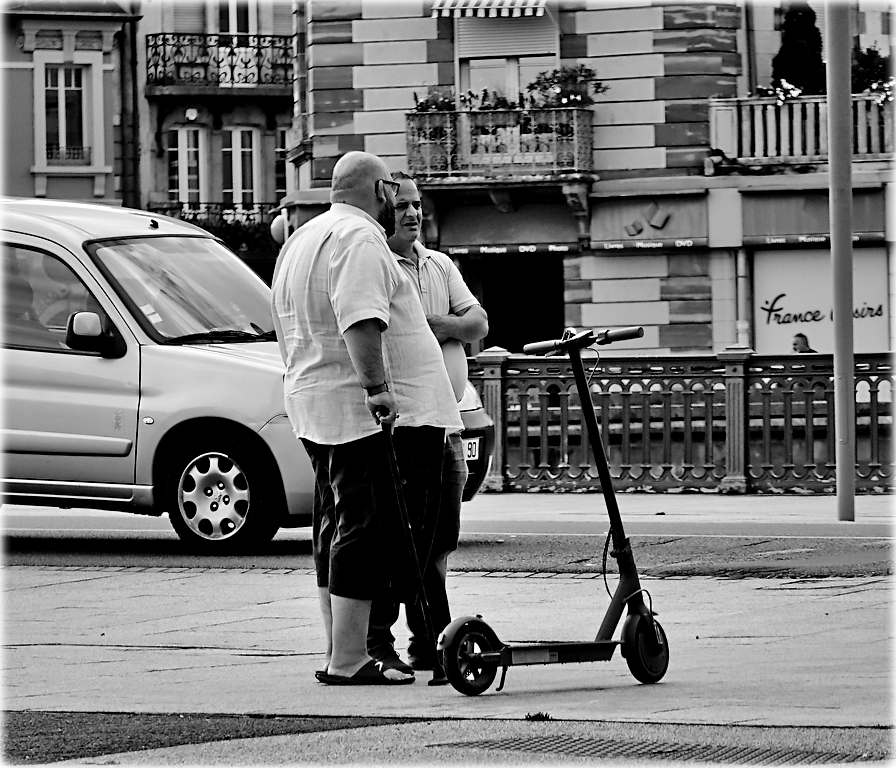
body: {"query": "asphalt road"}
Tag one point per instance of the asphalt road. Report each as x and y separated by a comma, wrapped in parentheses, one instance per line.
(661, 549)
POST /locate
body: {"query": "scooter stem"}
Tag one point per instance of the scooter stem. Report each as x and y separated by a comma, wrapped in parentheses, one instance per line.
(628, 591)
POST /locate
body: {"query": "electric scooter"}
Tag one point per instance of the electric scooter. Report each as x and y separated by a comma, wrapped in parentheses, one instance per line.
(470, 648)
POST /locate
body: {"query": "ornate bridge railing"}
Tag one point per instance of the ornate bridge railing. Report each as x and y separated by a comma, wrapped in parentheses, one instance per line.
(221, 61)
(791, 432)
(734, 422)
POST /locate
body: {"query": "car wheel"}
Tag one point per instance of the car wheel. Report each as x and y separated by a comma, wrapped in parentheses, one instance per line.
(219, 497)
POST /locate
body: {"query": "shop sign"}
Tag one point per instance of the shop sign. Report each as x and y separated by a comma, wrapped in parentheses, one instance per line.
(649, 224)
(651, 245)
(793, 294)
(807, 241)
(512, 248)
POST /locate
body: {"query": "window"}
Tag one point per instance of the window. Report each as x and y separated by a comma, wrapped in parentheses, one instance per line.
(504, 54)
(40, 293)
(238, 168)
(238, 57)
(64, 105)
(506, 76)
(186, 166)
(234, 16)
(280, 188)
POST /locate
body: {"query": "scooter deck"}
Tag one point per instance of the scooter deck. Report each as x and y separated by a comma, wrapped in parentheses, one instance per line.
(551, 653)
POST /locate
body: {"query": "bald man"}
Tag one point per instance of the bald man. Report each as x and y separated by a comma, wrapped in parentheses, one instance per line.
(359, 353)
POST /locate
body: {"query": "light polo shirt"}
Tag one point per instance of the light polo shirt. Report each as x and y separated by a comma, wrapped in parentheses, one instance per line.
(442, 288)
(333, 272)
(442, 291)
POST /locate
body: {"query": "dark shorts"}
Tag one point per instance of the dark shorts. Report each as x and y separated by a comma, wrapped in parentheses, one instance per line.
(358, 540)
(454, 478)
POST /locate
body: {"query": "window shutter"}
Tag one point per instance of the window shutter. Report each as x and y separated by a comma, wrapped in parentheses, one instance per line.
(492, 38)
(189, 16)
(820, 22)
(283, 24)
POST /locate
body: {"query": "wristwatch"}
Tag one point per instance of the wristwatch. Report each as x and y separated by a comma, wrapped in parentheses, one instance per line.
(378, 389)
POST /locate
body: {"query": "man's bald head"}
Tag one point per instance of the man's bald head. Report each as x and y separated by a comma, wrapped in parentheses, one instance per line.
(356, 172)
(355, 181)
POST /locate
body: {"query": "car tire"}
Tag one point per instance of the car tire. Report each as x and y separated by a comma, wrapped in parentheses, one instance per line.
(220, 497)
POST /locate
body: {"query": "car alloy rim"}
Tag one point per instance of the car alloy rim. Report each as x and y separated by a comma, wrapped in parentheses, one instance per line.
(213, 496)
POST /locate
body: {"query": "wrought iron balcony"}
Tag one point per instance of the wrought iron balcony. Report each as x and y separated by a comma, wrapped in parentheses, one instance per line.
(219, 61)
(217, 213)
(759, 131)
(57, 155)
(499, 143)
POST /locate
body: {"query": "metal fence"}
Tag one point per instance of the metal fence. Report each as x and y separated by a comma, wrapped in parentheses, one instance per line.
(735, 422)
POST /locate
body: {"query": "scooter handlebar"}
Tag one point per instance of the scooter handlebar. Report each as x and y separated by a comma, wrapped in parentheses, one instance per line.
(542, 347)
(585, 339)
(618, 334)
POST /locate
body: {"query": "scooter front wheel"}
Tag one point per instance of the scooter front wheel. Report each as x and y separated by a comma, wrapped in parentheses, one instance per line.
(647, 653)
(463, 663)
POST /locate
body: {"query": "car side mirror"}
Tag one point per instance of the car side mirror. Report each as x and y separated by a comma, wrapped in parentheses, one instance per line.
(84, 332)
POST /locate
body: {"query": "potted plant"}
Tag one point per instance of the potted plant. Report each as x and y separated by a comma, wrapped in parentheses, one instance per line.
(435, 130)
(782, 92)
(566, 86)
(438, 99)
(487, 101)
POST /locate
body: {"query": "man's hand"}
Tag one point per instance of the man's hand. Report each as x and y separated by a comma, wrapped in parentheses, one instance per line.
(470, 324)
(382, 407)
(442, 326)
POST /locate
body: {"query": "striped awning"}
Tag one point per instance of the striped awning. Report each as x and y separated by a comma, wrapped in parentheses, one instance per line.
(488, 8)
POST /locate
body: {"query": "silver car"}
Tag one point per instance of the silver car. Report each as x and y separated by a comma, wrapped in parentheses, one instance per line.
(141, 374)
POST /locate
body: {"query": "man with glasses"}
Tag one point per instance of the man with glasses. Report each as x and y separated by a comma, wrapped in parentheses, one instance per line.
(454, 316)
(358, 353)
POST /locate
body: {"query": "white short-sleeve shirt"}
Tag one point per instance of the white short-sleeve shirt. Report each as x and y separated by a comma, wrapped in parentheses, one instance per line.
(442, 291)
(333, 272)
(440, 284)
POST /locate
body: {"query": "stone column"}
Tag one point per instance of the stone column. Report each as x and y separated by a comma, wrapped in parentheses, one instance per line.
(736, 359)
(743, 299)
(492, 361)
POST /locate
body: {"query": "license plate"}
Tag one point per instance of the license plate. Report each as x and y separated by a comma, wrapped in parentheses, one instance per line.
(471, 448)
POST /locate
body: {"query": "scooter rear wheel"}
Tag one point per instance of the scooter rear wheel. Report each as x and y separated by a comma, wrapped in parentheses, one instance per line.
(648, 655)
(463, 667)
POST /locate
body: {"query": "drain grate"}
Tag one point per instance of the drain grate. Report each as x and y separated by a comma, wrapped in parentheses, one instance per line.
(708, 753)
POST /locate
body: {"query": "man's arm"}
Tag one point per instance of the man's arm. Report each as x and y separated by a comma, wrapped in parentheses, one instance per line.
(470, 324)
(365, 348)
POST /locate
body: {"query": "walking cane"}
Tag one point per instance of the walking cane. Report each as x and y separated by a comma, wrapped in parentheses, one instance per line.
(438, 674)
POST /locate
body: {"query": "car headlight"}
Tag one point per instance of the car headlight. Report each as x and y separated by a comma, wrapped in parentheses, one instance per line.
(471, 400)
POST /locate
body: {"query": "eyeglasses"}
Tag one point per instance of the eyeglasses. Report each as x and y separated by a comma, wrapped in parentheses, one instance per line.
(393, 185)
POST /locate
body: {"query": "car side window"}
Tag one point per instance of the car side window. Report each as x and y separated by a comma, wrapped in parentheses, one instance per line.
(40, 293)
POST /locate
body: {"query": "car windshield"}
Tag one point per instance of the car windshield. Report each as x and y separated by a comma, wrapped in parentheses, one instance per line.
(187, 289)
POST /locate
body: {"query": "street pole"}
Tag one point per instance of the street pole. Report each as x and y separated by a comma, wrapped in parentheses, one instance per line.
(839, 45)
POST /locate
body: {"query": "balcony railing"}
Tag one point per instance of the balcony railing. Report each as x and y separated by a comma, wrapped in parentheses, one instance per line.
(57, 155)
(499, 143)
(217, 213)
(758, 131)
(732, 422)
(220, 61)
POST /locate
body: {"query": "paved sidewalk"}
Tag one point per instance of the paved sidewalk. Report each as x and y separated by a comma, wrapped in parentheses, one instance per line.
(778, 514)
(743, 651)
